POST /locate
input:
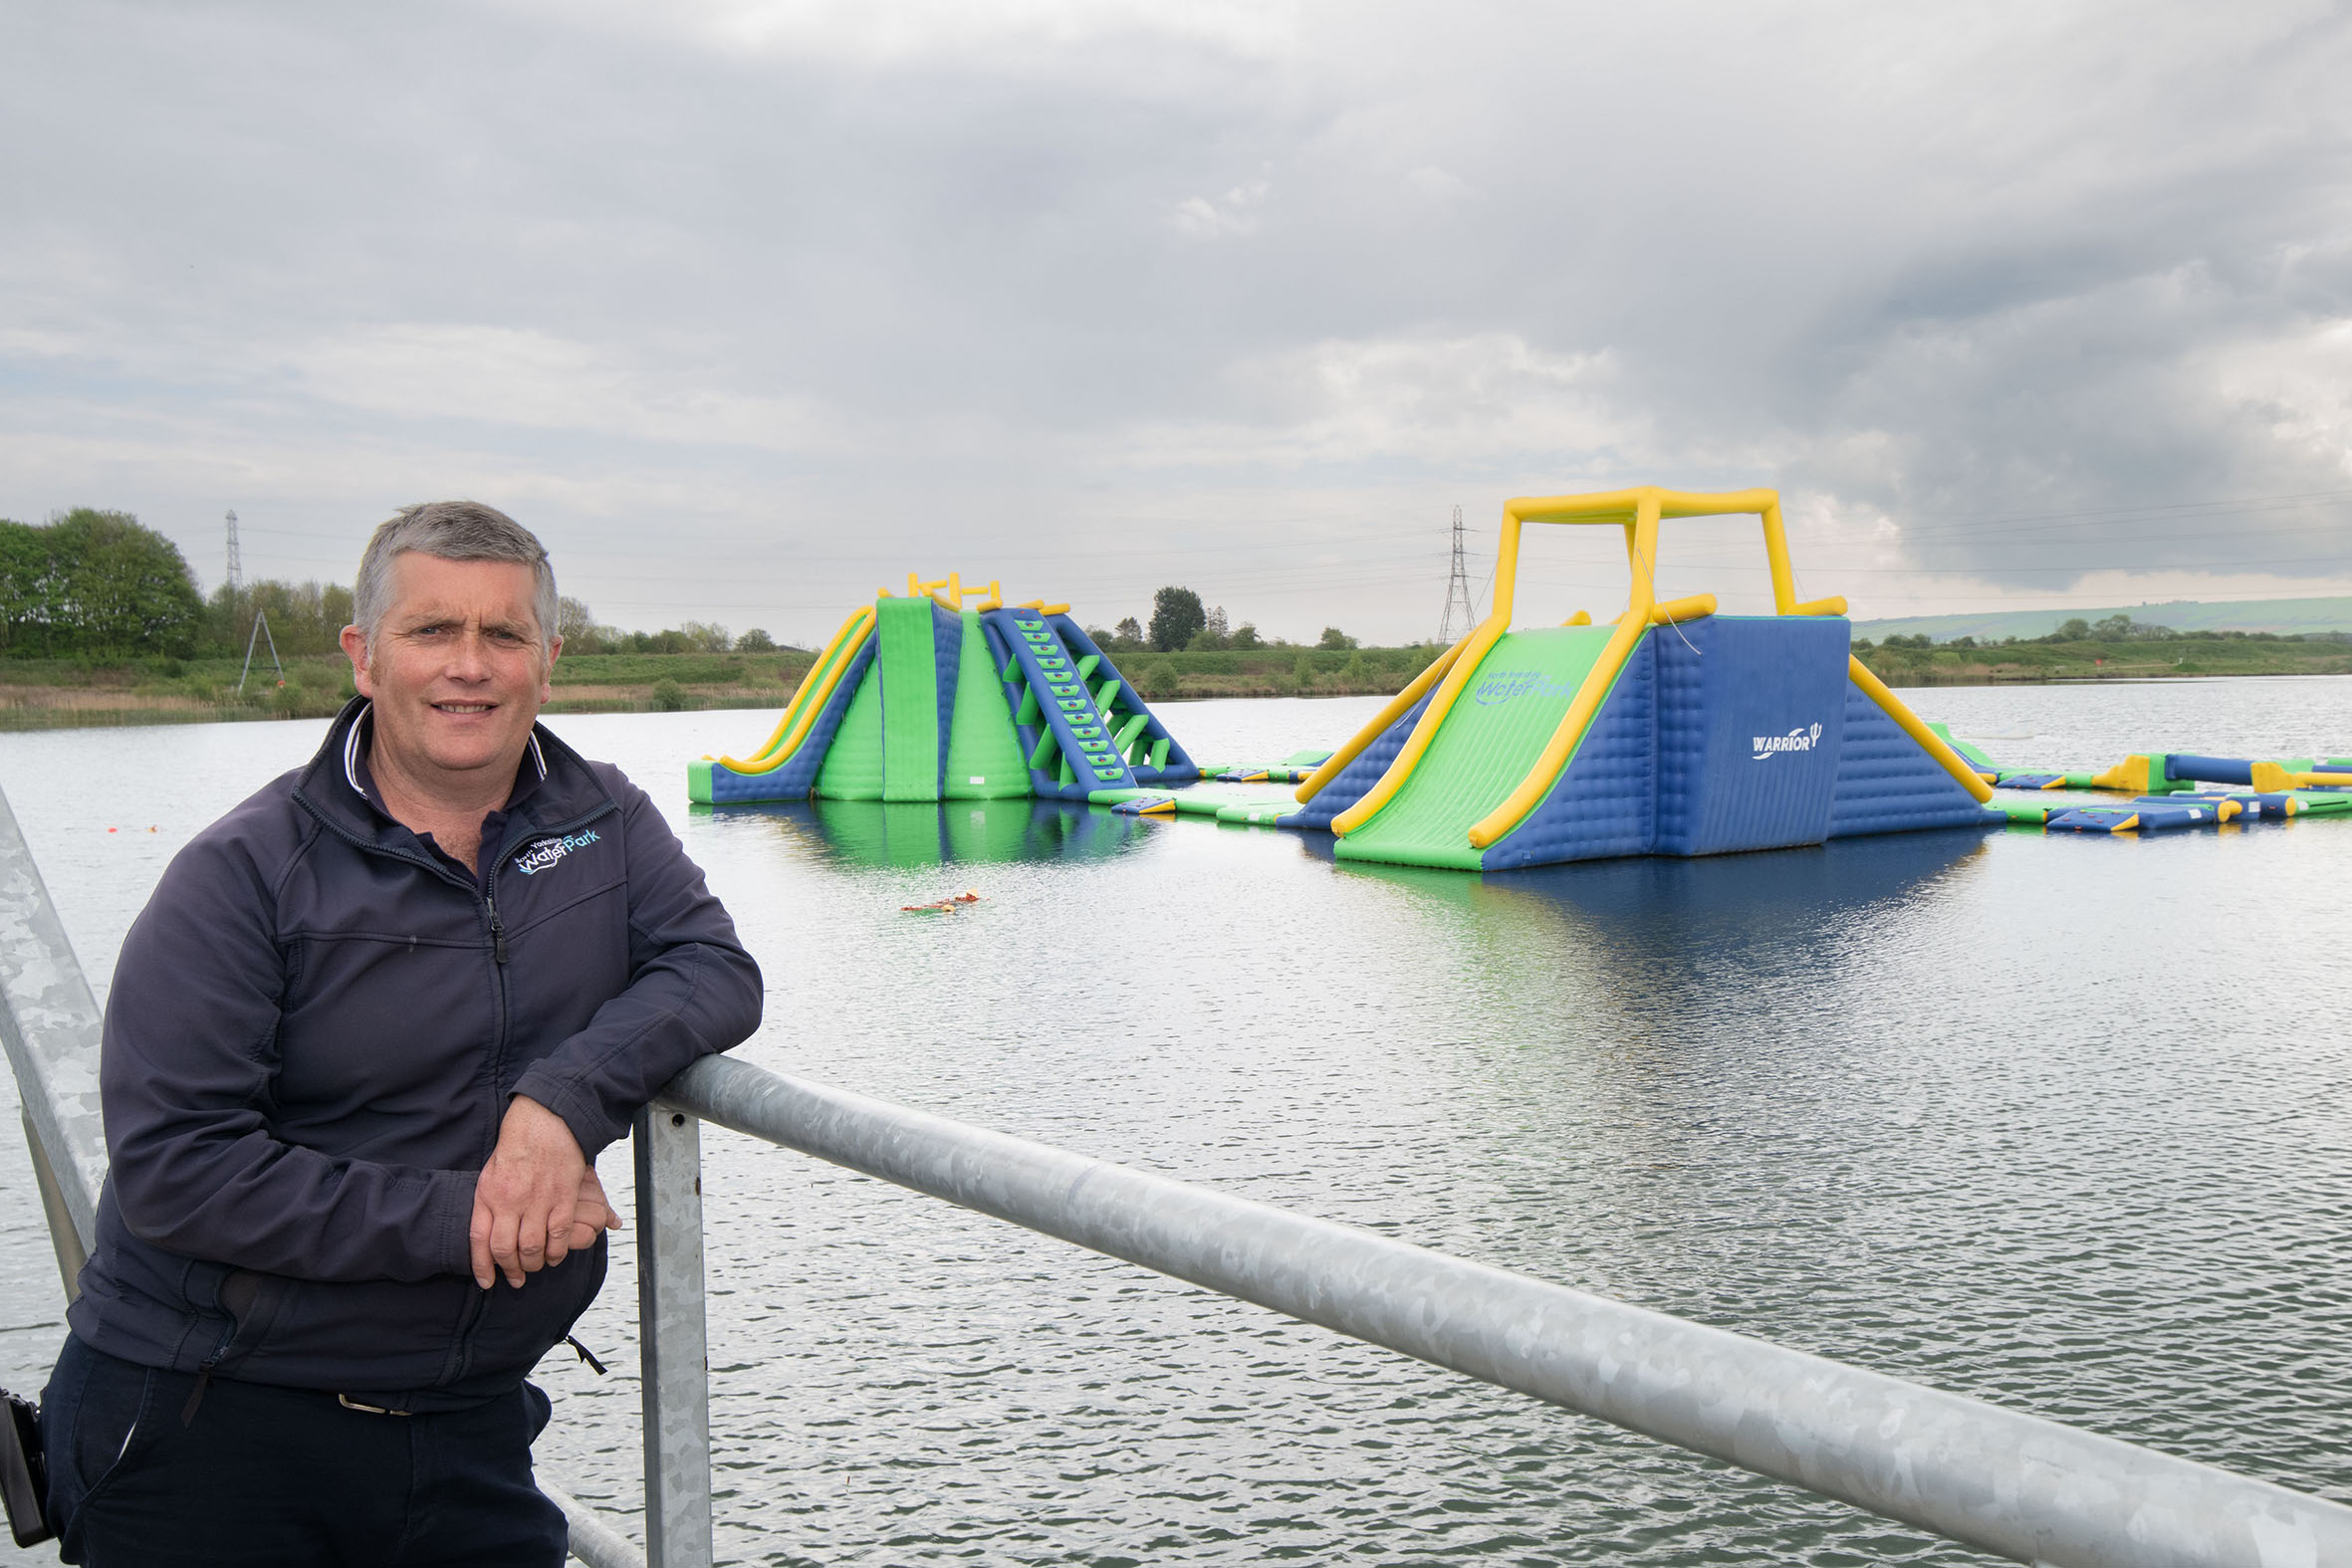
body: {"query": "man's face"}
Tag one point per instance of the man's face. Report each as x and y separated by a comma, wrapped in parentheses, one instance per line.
(456, 674)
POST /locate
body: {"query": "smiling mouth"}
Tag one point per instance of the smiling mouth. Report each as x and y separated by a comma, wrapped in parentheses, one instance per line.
(463, 706)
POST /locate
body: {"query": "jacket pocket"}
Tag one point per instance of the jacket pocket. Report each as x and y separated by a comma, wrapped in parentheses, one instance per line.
(253, 1302)
(104, 1428)
(519, 1326)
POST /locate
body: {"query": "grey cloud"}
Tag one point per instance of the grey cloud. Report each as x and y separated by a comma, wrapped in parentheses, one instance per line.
(739, 300)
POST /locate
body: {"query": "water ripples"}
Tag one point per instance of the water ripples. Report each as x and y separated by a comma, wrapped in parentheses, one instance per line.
(2056, 1122)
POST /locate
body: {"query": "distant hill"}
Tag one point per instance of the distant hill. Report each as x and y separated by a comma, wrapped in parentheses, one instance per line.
(2334, 614)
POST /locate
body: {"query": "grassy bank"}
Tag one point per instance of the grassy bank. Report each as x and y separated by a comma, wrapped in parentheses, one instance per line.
(47, 694)
(2134, 660)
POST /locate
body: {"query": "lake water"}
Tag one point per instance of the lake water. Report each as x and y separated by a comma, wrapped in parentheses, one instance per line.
(2059, 1121)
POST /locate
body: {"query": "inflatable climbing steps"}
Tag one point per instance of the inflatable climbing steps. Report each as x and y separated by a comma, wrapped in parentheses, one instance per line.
(921, 698)
(1671, 731)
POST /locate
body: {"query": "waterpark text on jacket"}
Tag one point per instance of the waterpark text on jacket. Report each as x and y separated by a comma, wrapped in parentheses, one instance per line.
(315, 1030)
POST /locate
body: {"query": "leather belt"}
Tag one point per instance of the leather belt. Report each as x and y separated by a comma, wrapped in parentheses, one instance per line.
(348, 1403)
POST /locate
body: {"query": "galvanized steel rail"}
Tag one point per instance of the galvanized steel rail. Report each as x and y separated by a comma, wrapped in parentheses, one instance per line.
(50, 1026)
(2026, 1488)
(2015, 1484)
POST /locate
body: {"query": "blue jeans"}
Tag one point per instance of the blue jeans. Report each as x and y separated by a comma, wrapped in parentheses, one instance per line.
(267, 1475)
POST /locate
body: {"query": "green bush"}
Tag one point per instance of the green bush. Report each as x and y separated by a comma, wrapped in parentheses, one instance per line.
(668, 696)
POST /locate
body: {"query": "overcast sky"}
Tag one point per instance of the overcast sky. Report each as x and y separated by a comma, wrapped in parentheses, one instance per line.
(752, 307)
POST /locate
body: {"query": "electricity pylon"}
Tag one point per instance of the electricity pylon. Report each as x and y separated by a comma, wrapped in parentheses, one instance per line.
(1458, 601)
(261, 618)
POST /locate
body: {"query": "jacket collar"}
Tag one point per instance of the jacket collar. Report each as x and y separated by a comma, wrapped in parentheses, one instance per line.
(354, 760)
(553, 783)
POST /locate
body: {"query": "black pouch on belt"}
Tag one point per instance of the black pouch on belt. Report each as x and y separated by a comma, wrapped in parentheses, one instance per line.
(24, 1474)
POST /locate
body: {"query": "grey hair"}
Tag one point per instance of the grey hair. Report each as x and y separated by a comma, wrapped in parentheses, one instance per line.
(451, 531)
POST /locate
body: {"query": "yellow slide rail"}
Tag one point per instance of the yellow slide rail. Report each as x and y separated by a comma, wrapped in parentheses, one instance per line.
(949, 592)
(800, 715)
(1398, 705)
(1934, 744)
(1638, 513)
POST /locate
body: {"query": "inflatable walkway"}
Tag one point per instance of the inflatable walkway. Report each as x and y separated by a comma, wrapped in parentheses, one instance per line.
(2169, 790)
(924, 699)
(1673, 731)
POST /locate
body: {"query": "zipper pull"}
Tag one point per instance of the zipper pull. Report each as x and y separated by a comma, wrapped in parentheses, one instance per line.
(497, 933)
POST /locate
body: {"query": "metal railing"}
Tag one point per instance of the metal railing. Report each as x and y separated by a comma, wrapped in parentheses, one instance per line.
(2026, 1488)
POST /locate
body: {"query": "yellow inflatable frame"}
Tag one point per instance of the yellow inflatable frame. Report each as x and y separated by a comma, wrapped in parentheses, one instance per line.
(1638, 512)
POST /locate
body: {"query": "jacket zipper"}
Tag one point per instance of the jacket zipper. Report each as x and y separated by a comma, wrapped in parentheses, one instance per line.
(469, 1322)
(462, 1360)
(187, 1412)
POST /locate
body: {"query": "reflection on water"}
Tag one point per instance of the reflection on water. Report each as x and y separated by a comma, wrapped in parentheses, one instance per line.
(914, 833)
(1655, 900)
(2061, 1121)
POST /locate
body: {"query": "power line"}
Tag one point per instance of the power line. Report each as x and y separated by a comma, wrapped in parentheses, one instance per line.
(261, 618)
(1458, 599)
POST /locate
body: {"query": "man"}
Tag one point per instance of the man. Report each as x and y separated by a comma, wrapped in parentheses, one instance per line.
(361, 1050)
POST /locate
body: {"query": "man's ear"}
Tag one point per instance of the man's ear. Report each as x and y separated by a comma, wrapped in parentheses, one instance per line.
(546, 675)
(354, 647)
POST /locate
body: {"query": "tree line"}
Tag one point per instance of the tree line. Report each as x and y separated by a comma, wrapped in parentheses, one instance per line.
(1180, 624)
(2114, 628)
(94, 583)
(91, 582)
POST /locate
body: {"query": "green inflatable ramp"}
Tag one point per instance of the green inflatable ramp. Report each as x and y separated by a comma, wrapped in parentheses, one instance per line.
(1506, 714)
(910, 700)
(985, 760)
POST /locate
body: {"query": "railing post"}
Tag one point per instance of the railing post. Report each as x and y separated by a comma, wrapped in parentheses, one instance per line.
(49, 1025)
(70, 1254)
(673, 1346)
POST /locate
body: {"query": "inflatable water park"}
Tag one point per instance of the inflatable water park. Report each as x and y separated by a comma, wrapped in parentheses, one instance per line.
(1670, 730)
(930, 697)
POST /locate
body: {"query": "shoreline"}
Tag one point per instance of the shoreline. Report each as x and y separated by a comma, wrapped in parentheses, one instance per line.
(28, 708)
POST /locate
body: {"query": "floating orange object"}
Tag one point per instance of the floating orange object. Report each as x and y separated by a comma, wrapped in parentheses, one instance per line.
(946, 906)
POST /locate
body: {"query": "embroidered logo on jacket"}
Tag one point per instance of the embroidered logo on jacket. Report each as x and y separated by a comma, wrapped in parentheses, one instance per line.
(551, 851)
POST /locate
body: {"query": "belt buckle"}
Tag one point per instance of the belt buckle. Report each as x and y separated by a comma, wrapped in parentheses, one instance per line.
(348, 1403)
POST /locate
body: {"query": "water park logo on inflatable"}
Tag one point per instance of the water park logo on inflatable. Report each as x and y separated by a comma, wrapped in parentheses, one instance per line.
(1504, 685)
(547, 851)
(1768, 746)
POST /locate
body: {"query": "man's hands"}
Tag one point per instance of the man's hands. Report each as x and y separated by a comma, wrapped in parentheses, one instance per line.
(536, 1201)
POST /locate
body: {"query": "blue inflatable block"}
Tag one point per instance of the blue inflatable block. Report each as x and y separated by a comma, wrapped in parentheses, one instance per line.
(2209, 770)
(1751, 717)
(798, 777)
(2248, 803)
(947, 648)
(1177, 767)
(2134, 819)
(1358, 776)
(1066, 705)
(1888, 784)
(2025, 781)
(1605, 802)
